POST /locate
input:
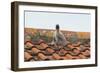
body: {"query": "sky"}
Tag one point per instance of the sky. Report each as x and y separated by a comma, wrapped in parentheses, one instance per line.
(67, 21)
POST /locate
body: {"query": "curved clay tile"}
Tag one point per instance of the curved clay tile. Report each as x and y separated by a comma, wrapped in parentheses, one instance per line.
(78, 48)
(73, 53)
(29, 45)
(42, 56)
(36, 58)
(50, 50)
(87, 45)
(44, 45)
(29, 51)
(56, 56)
(50, 57)
(86, 53)
(67, 49)
(27, 42)
(77, 44)
(88, 48)
(76, 51)
(35, 50)
(26, 47)
(27, 56)
(76, 57)
(83, 48)
(82, 56)
(64, 58)
(70, 46)
(62, 52)
(69, 56)
(40, 47)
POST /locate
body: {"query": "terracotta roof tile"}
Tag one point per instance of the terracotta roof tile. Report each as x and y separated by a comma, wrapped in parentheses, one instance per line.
(62, 52)
(76, 57)
(86, 53)
(43, 45)
(36, 58)
(82, 56)
(40, 47)
(35, 50)
(42, 56)
(56, 56)
(77, 44)
(64, 58)
(50, 57)
(43, 51)
(40, 50)
(50, 50)
(29, 51)
(70, 46)
(27, 56)
(76, 51)
(28, 45)
(69, 56)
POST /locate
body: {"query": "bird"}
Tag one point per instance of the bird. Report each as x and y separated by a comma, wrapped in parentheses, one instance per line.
(59, 39)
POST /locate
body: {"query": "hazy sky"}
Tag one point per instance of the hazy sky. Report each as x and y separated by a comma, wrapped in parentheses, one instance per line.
(67, 21)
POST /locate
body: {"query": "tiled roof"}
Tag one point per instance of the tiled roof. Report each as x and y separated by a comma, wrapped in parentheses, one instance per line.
(42, 51)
